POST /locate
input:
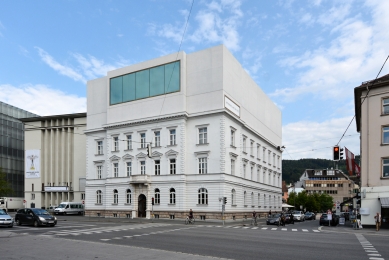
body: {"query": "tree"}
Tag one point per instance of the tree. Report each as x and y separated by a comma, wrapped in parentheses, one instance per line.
(326, 202)
(5, 187)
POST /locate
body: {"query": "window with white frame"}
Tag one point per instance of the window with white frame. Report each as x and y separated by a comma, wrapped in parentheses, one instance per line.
(99, 169)
(251, 148)
(385, 134)
(157, 138)
(203, 165)
(258, 150)
(278, 161)
(116, 143)
(264, 154)
(157, 167)
(128, 196)
(252, 173)
(232, 137)
(203, 138)
(157, 196)
(233, 198)
(202, 196)
(258, 175)
(244, 144)
(172, 196)
(268, 157)
(172, 136)
(115, 169)
(385, 167)
(232, 167)
(143, 140)
(252, 199)
(143, 167)
(99, 147)
(128, 168)
(244, 198)
(259, 199)
(83, 196)
(172, 166)
(99, 197)
(129, 142)
(244, 170)
(264, 176)
(115, 196)
(385, 106)
(32, 196)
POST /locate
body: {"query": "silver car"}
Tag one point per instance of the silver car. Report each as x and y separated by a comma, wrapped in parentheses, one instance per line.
(298, 215)
(5, 219)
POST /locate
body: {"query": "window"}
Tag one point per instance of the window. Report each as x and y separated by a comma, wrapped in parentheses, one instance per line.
(129, 142)
(264, 154)
(244, 144)
(157, 138)
(252, 173)
(32, 196)
(385, 135)
(115, 196)
(244, 170)
(98, 197)
(268, 157)
(252, 199)
(233, 202)
(385, 106)
(264, 176)
(128, 196)
(172, 166)
(203, 135)
(274, 160)
(244, 199)
(99, 171)
(232, 167)
(232, 137)
(157, 196)
(143, 140)
(385, 167)
(115, 170)
(259, 199)
(143, 167)
(116, 143)
(172, 136)
(172, 196)
(83, 196)
(128, 168)
(252, 148)
(202, 196)
(258, 150)
(257, 175)
(157, 167)
(202, 165)
(99, 147)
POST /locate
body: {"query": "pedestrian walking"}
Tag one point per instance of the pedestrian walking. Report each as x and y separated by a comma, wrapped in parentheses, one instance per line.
(377, 218)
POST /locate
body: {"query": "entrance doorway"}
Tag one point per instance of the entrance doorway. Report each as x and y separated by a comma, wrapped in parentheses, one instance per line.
(142, 206)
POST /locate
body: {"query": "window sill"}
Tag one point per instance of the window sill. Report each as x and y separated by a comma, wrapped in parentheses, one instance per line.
(233, 146)
(97, 204)
(384, 144)
(259, 206)
(252, 206)
(128, 150)
(258, 159)
(244, 152)
(171, 204)
(202, 205)
(245, 206)
(252, 156)
(97, 154)
(233, 205)
(115, 151)
(156, 204)
(204, 144)
(142, 148)
(384, 178)
(127, 204)
(157, 146)
(114, 204)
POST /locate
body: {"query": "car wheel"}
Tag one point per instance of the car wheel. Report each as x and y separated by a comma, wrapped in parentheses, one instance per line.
(53, 225)
(64, 213)
(36, 224)
(10, 226)
(18, 222)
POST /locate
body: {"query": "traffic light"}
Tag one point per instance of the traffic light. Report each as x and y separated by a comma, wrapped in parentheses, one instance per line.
(152, 201)
(336, 153)
(149, 150)
(341, 154)
(224, 200)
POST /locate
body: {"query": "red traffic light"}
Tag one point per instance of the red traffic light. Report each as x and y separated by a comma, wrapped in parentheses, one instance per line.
(336, 149)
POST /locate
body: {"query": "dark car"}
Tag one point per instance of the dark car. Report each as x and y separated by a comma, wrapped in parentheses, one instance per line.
(36, 217)
(310, 216)
(273, 219)
(324, 220)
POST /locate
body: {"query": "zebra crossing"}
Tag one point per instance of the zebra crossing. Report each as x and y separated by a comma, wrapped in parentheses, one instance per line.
(275, 229)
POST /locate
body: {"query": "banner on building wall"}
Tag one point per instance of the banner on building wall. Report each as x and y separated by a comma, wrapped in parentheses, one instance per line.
(230, 105)
(32, 164)
(352, 167)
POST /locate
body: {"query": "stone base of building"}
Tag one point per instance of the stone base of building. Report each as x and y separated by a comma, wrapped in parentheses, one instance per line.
(172, 214)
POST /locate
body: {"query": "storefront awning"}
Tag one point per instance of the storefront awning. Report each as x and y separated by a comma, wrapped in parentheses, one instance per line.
(384, 202)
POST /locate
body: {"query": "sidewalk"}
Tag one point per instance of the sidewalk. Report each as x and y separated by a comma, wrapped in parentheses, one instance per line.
(348, 228)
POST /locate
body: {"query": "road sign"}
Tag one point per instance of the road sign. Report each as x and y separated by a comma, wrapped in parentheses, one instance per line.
(24, 201)
(83, 202)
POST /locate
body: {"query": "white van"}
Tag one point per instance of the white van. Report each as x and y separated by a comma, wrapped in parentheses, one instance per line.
(70, 208)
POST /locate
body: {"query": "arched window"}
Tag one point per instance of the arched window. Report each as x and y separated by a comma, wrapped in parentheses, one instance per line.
(98, 197)
(252, 199)
(128, 196)
(244, 199)
(157, 196)
(233, 202)
(172, 196)
(115, 196)
(202, 196)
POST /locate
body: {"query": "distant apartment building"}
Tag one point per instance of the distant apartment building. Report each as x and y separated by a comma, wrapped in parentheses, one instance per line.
(372, 120)
(213, 134)
(12, 146)
(55, 159)
(332, 182)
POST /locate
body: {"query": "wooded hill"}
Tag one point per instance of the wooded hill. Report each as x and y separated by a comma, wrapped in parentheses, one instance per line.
(293, 169)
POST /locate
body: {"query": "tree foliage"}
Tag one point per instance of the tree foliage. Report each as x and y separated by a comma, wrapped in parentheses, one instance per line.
(311, 202)
(5, 187)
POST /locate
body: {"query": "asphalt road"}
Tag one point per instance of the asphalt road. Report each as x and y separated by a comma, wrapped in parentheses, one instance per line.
(74, 239)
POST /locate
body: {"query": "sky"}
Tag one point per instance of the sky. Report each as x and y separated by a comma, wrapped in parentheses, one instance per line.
(307, 56)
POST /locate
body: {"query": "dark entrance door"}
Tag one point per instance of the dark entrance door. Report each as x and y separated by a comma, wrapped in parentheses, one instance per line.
(142, 206)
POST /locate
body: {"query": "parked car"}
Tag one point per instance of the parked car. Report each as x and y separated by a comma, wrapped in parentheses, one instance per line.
(5, 219)
(310, 216)
(36, 217)
(324, 220)
(273, 219)
(51, 209)
(298, 215)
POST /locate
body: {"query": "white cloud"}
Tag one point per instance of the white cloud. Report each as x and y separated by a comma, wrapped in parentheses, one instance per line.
(41, 99)
(308, 139)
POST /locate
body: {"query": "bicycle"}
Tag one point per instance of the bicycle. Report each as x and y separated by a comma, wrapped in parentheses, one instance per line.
(189, 220)
(254, 221)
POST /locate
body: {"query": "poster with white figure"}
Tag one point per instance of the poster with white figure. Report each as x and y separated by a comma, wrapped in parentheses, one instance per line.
(32, 164)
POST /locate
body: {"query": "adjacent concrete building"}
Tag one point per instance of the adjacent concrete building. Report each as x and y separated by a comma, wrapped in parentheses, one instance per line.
(372, 121)
(55, 159)
(213, 133)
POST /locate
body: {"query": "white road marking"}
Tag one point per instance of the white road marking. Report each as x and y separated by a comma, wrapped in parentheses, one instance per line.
(294, 229)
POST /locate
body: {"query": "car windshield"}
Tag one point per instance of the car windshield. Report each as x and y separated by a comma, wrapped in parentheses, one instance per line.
(324, 215)
(275, 215)
(62, 206)
(2, 212)
(40, 212)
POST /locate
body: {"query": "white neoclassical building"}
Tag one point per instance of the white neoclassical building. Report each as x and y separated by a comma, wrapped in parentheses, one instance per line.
(213, 132)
